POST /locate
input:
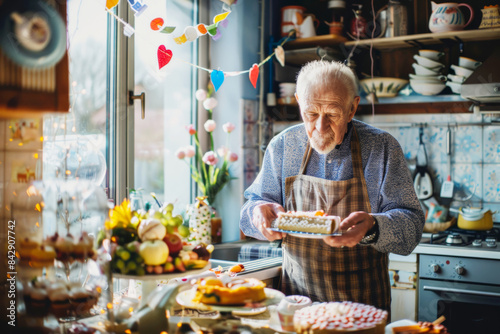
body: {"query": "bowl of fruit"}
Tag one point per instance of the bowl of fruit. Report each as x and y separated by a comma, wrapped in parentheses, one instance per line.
(152, 242)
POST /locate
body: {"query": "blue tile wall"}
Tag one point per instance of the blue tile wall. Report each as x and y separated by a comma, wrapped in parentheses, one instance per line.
(475, 155)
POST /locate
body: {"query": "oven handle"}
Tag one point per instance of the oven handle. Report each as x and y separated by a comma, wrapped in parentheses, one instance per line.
(467, 292)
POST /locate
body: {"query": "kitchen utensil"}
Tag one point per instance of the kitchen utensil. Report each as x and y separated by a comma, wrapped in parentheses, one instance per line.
(456, 87)
(422, 70)
(383, 87)
(431, 54)
(397, 19)
(459, 70)
(427, 88)
(447, 186)
(474, 219)
(456, 78)
(427, 62)
(423, 181)
(448, 17)
(428, 78)
(468, 63)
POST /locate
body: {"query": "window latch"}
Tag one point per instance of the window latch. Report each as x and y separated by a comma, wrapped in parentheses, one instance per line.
(142, 97)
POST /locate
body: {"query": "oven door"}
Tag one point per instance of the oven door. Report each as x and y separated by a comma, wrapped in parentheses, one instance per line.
(468, 308)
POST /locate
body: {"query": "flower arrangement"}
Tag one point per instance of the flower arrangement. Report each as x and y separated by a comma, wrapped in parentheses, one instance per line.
(210, 170)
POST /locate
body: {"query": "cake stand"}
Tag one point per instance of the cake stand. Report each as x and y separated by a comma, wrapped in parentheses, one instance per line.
(148, 282)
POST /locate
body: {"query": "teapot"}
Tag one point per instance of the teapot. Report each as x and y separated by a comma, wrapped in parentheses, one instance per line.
(448, 17)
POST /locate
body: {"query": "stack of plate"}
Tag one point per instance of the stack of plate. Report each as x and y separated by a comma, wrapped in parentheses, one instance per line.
(464, 69)
(428, 78)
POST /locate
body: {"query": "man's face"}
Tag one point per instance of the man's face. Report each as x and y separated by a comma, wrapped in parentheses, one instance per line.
(326, 114)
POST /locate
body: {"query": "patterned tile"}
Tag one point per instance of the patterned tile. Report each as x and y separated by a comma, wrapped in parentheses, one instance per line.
(491, 177)
(467, 179)
(491, 150)
(467, 144)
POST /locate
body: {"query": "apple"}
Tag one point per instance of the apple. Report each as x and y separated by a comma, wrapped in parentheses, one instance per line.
(201, 250)
(174, 242)
(154, 252)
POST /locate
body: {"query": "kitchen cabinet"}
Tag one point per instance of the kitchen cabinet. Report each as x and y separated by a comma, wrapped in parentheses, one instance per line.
(29, 92)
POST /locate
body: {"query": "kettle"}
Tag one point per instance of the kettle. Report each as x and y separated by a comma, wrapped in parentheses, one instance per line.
(448, 17)
(474, 219)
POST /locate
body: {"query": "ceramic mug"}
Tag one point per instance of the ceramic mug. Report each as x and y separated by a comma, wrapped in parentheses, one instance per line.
(31, 30)
(291, 18)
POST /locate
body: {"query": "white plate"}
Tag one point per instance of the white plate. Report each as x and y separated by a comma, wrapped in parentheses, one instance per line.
(185, 298)
(306, 235)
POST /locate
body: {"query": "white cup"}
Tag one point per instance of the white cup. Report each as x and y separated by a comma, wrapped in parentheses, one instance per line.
(468, 63)
(31, 30)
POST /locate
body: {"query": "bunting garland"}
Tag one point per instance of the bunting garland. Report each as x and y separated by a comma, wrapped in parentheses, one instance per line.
(190, 34)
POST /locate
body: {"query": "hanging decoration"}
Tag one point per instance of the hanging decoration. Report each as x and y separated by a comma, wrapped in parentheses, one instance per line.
(217, 78)
(164, 56)
(254, 75)
(111, 3)
(137, 6)
(191, 33)
(280, 55)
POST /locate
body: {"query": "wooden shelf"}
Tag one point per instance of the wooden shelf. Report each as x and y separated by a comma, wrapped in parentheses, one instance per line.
(430, 38)
(322, 40)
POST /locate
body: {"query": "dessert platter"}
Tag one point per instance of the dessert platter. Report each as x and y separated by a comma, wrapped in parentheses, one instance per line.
(307, 224)
(228, 294)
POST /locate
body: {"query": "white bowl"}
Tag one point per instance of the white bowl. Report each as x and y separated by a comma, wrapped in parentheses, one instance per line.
(422, 70)
(427, 88)
(456, 87)
(383, 87)
(462, 71)
(456, 78)
(287, 89)
(468, 63)
(427, 62)
(431, 54)
(432, 78)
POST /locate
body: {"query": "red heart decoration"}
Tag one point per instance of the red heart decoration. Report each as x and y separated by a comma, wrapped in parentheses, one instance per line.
(254, 75)
(164, 56)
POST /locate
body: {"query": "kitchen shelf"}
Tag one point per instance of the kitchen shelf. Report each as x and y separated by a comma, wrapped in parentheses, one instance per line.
(419, 40)
(399, 99)
(321, 40)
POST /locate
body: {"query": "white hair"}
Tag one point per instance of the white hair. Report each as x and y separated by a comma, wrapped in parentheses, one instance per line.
(320, 74)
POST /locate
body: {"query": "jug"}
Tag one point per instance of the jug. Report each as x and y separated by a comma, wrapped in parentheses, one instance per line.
(308, 26)
(447, 17)
(397, 19)
(291, 18)
(491, 17)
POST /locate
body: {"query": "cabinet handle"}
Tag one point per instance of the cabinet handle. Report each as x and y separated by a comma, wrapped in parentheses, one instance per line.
(465, 292)
(142, 97)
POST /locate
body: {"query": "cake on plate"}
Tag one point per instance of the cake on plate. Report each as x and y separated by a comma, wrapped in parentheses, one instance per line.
(308, 221)
(229, 291)
(340, 317)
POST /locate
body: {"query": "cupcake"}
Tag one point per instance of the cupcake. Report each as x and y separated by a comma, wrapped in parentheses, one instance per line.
(84, 248)
(81, 300)
(59, 302)
(43, 256)
(36, 301)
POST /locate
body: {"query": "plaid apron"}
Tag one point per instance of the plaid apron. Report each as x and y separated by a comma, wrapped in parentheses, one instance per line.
(310, 266)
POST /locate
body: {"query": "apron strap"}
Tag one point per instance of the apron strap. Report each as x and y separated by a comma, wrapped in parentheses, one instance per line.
(305, 159)
(357, 164)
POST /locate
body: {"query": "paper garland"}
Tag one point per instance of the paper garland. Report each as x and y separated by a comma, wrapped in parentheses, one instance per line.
(191, 33)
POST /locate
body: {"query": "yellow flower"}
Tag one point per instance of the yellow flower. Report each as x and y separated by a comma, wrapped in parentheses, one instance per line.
(120, 215)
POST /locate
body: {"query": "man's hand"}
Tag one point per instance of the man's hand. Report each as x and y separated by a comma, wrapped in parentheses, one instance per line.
(353, 230)
(263, 215)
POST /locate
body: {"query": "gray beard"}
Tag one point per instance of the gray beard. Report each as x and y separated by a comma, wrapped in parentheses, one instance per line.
(323, 145)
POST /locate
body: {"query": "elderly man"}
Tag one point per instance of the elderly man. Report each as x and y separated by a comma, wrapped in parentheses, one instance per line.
(346, 168)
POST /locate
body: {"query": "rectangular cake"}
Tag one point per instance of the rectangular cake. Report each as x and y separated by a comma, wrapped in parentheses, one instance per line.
(308, 221)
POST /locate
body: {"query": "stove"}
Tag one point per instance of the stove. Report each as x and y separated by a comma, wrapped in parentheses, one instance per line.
(459, 274)
(459, 240)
